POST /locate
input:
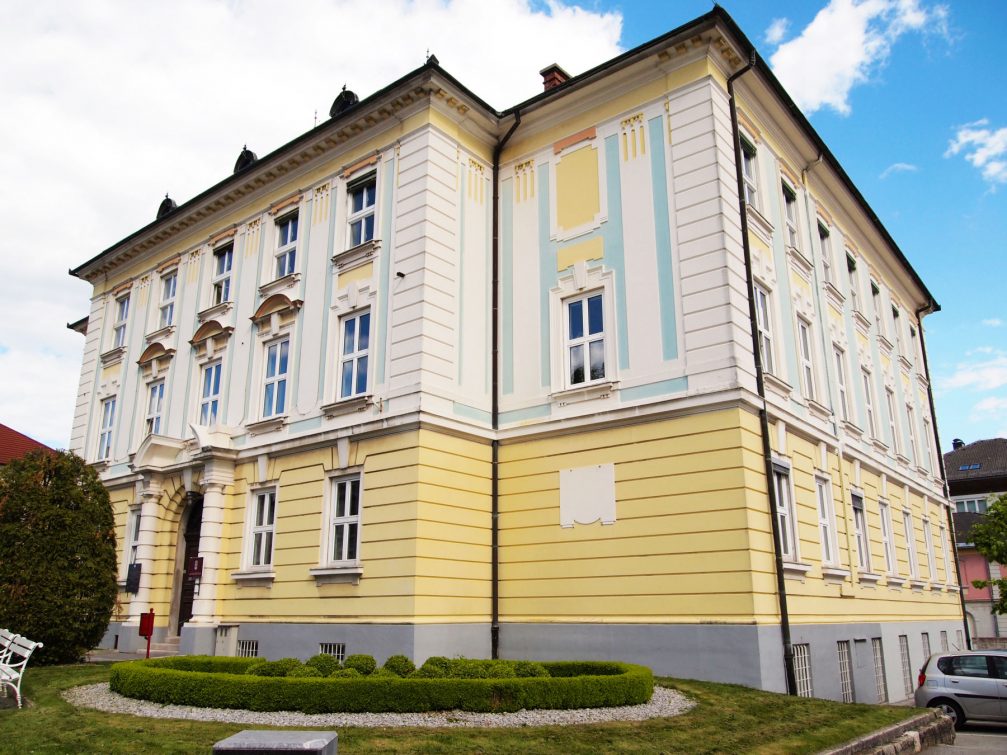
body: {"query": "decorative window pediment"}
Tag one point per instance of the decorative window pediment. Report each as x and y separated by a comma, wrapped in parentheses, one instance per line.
(275, 314)
(210, 338)
(155, 360)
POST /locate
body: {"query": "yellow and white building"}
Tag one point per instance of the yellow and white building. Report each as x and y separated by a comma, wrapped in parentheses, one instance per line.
(437, 379)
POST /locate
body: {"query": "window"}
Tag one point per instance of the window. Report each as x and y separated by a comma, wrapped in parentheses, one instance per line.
(248, 648)
(851, 272)
(802, 670)
(155, 406)
(846, 671)
(750, 173)
(928, 537)
(764, 323)
(907, 669)
(844, 401)
(869, 404)
(914, 346)
(222, 259)
(585, 343)
(274, 402)
(975, 666)
(826, 243)
(168, 285)
(209, 400)
(119, 326)
(361, 217)
(944, 553)
(105, 434)
(860, 526)
(336, 649)
(910, 423)
(356, 332)
(897, 329)
(263, 528)
(344, 521)
(286, 245)
(892, 429)
(880, 684)
(910, 530)
(928, 440)
(826, 521)
(785, 516)
(133, 536)
(944, 641)
(807, 362)
(886, 536)
(925, 639)
(960, 639)
(971, 506)
(790, 215)
(879, 322)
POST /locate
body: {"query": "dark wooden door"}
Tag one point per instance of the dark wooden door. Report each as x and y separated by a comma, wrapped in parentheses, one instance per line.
(191, 545)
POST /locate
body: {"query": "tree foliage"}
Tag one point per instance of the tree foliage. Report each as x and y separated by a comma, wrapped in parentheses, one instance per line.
(57, 554)
(990, 538)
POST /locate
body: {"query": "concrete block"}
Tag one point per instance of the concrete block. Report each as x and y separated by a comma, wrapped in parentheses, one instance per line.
(253, 742)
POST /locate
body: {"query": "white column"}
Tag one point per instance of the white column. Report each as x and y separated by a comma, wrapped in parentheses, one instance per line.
(211, 529)
(150, 499)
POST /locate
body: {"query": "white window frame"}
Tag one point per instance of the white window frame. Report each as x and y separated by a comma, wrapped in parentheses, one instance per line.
(887, 537)
(791, 216)
(155, 407)
(872, 420)
(928, 537)
(944, 641)
(133, 535)
(907, 668)
(910, 531)
(844, 399)
(825, 242)
(357, 219)
(943, 532)
(106, 429)
(846, 671)
(805, 354)
(223, 261)
(121, 320)
(879, 319)
(892, 420)
(786, 514)
(928, 439)
(861, 533)
(802, 669)
(209, 402)
(350, 523)
(169, 292)
(826, 521)
(910, 424)
(880, 680)
(587, 340)
(261, 529)
(357, 359)
(285, 256)
(750, 172)
(764, 322)
(925, 645)
(853, 280)
(278, 381)
(897, 328)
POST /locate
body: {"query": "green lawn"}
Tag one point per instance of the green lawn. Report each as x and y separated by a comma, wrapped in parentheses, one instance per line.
(727, 718)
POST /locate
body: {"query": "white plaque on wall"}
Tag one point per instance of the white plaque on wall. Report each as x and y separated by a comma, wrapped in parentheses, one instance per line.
(587, 494)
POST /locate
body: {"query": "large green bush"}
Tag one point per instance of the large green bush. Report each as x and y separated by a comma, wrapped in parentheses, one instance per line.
(571, 685)
(324, 662)
(57, 554)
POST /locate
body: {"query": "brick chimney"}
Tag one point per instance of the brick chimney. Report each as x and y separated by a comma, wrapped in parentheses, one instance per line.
(957, 443)
(553, 76)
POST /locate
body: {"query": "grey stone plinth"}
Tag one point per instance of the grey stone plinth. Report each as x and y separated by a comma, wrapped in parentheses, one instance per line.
(255, 742)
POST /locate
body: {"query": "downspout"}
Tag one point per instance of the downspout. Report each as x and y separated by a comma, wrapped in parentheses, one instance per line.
(495, 399)
(929, 307)
(767, 452)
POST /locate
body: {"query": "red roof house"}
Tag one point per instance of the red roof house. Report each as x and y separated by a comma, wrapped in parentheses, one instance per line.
(14, 445)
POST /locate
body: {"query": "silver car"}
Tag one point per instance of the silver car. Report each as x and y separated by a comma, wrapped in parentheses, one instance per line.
(969, 685)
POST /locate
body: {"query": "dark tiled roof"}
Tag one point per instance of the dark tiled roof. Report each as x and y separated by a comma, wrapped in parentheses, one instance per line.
(14, 445)
(990, 455)
(963, 525)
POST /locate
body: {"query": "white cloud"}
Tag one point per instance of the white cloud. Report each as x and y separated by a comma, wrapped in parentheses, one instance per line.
(845, 44)
(994, 404)
(898, 168)
(993, 322)
(776, 31)
(984, 147)
(110, 103)
(986, 375)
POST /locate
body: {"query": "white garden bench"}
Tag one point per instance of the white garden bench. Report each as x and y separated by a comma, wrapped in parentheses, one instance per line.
(15, 651)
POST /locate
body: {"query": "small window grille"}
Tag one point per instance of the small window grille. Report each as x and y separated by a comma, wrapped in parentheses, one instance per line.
(335, 649)
(944, 641)
(879, 670)
(846, 671)
(248, 648)
(802, 670)
(926, 646)
(907, 669)
(961, 640)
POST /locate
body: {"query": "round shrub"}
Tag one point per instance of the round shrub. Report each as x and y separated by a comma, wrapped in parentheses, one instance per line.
(529, 668)
(324, 662)
(399, 665)
(365, 664)
(385, 672)
(304, 671)
(282, 667)
(345, 673)
(434, 667)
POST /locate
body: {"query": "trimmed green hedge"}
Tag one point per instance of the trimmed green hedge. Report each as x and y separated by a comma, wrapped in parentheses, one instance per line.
(220, 682)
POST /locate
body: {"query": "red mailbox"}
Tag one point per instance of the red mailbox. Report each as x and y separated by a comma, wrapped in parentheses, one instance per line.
(147, 627)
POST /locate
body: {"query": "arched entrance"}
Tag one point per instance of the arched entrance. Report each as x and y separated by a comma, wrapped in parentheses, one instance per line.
(188, 548)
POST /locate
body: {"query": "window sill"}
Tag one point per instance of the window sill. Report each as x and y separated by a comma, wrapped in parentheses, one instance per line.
(585, 393)
(834, 573)
(331, 575)
(112, 356)
(880, 446)
(253, 578)
(819, 410)
(902, 459)
(266, 425)
(778, 385)
(280, 284)
(906, 364)
(834, 295)
(894, 582)
(861, 321)
(161, 334)
(214, 311)
(885, 344)
(917, 585)
(868, 578)
(922, 380)
(952, 588)
(801, 262)
(356, 256)
(795, 570)
(758, 223)
(852, 429)
(348, 405)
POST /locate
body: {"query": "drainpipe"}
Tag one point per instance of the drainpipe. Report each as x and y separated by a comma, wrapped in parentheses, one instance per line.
(927, 308)
(495, 410)
(767, 452)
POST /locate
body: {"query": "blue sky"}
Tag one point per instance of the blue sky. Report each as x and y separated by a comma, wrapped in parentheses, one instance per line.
(906, 93)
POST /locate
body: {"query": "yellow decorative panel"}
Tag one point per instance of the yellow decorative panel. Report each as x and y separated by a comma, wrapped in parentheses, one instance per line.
(361, 273)
(524, 181)
(593, 249)
(578, 194)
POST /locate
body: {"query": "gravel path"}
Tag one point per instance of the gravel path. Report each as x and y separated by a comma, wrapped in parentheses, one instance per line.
(664, 703)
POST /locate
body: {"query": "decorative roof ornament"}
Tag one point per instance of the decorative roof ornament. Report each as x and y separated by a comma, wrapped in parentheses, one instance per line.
(343, 102)
(432, 60)
(167, 205)
(245, 158)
